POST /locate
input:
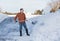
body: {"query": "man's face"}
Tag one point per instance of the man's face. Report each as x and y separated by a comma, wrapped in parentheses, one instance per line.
(21, 11)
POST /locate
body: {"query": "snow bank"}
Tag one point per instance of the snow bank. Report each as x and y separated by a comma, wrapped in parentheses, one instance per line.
(41, 28)
(47, 28)
(2, 17)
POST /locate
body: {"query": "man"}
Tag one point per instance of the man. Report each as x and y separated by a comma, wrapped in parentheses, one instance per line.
(22, 18)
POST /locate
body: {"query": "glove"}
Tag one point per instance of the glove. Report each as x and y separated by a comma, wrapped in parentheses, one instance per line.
(16, 21)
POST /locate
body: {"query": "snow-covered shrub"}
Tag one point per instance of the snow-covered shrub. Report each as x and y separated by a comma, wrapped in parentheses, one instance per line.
(38, 12)
(55, 6)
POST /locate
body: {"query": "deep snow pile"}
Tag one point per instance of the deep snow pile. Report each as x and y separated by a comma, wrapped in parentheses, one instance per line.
(2, 17)
(9, 30)
(47, 28)
(41, 28)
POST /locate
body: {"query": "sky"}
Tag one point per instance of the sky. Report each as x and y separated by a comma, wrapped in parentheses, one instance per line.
(28, 5)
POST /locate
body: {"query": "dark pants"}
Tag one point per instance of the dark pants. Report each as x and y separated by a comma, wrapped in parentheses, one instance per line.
(24, 25)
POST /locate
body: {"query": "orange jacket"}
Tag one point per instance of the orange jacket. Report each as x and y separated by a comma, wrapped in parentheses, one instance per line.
(20, 17)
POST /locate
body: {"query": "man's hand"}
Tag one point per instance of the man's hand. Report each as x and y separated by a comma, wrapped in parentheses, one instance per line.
(15, 21)
(26, 20)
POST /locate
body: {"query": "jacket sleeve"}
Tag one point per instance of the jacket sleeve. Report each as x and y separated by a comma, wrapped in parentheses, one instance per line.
(15, 17)
(24, 16)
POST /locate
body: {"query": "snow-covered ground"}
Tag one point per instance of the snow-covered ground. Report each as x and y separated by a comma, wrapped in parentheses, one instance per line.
(2, 17)
(41, 28)
(47, 28)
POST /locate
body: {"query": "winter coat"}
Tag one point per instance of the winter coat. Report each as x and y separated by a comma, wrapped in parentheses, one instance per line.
(20, 17)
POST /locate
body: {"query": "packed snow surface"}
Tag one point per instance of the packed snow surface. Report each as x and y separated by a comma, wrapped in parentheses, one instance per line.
(41, 28)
